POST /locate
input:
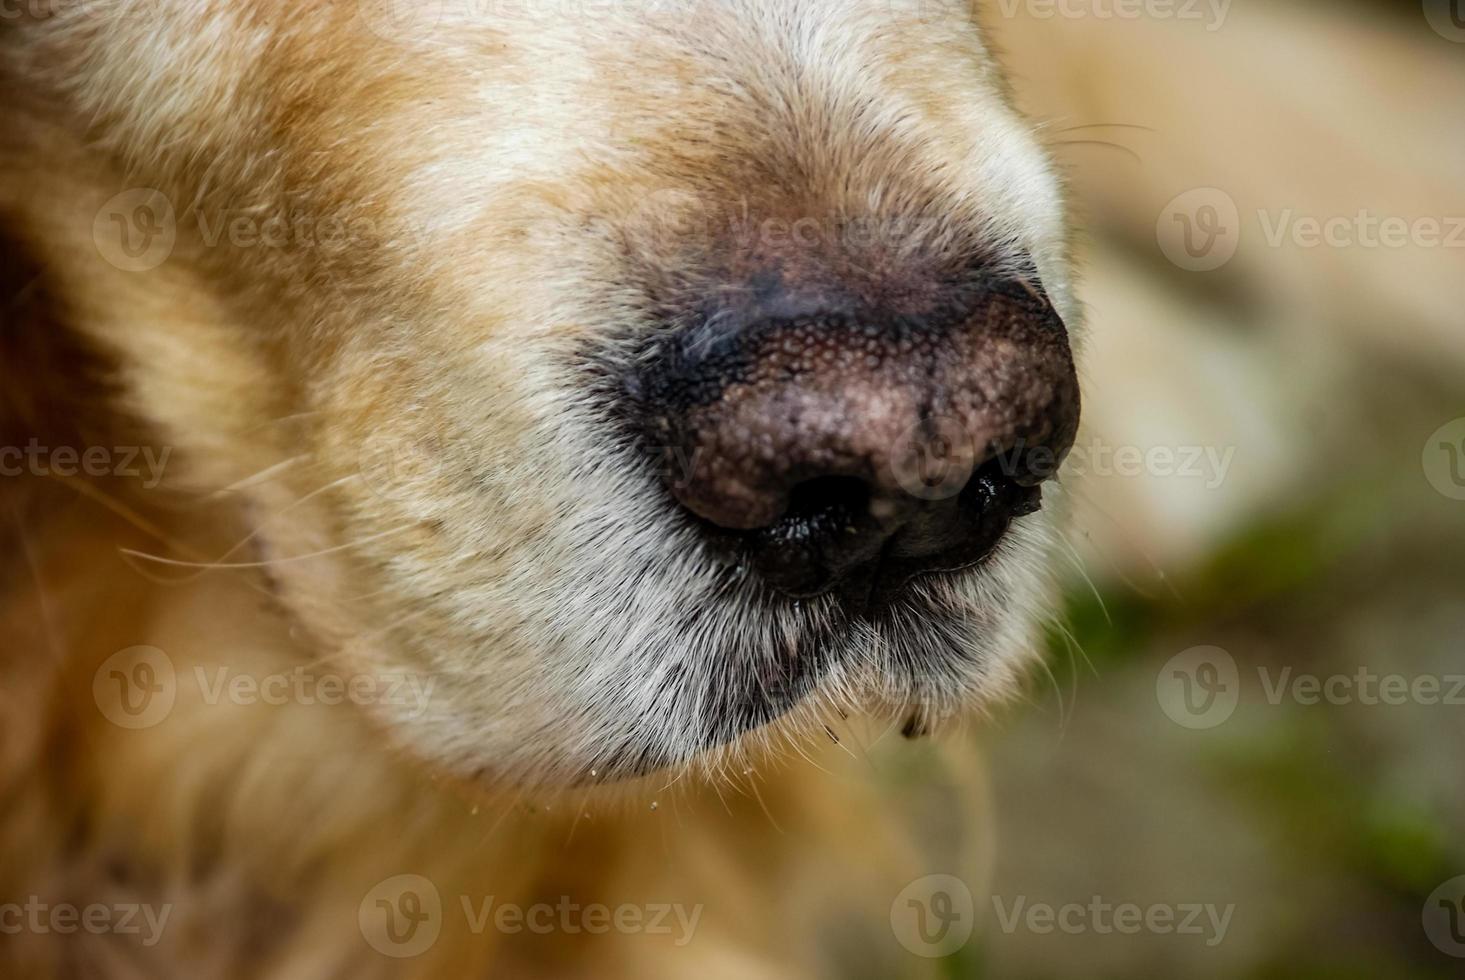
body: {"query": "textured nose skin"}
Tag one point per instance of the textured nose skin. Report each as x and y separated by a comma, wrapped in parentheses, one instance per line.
(851, 452)
(907, 408)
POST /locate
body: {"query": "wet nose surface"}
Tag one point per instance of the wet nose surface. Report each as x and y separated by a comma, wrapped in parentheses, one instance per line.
(852, 452)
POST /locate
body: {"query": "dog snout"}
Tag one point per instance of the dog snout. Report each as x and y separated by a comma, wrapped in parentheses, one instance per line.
(852, 450)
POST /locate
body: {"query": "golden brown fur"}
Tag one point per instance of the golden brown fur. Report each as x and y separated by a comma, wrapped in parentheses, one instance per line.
(309, 393)
(262, 829)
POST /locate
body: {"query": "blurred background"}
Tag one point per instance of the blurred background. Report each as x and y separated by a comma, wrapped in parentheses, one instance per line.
(1256, 696)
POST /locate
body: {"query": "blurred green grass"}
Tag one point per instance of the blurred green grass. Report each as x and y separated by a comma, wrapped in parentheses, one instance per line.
(1352, 814)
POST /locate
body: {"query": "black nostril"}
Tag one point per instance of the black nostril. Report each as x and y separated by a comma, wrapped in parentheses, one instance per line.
(824, 503)
(824, 532)
(997, 489)
(843, 535)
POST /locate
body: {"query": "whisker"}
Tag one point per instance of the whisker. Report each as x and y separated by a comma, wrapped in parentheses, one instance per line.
(267, 563)
(282, 420)
(369, 635)
(764, 806)
(1079, 490)
(1136, 126)
(1057, 692)
(263, 476)
(1078, 564)
(89, 490)
(1075, 645)
(219, 562)
(1129, 151)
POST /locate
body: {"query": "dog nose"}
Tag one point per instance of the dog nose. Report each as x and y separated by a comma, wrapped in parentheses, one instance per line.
(848, 451)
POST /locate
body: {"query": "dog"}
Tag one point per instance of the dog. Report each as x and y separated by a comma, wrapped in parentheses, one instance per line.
(549, 457)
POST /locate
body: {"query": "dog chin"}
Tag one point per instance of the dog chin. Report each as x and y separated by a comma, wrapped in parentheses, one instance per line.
(949, 642)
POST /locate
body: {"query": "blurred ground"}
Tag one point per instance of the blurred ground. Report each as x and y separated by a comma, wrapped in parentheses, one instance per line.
(1325, 537)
